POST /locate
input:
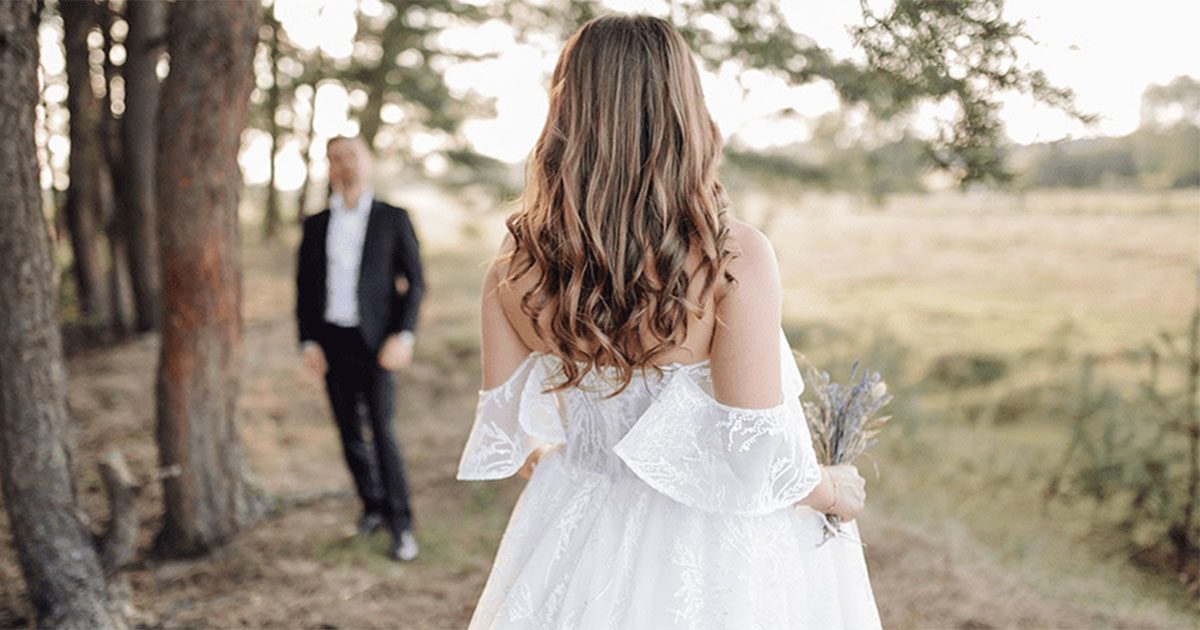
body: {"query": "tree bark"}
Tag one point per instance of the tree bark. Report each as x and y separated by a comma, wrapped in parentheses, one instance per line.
(86, 168)
(139, 130)
(271, 216)
(204, 105)
(306, 149)
(118, 544)
(50, 194)
(120, 288)
(61, 566)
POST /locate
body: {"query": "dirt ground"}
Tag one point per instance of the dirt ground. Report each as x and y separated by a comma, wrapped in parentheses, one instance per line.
(301, 567)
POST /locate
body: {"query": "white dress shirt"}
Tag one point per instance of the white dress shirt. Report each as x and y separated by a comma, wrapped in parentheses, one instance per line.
(343, 251)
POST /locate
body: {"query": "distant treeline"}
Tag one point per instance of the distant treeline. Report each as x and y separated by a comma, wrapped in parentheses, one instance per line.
(1163, 153)
(1147, 158)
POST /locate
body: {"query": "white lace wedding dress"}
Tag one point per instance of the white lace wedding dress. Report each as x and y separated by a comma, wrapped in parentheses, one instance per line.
(659, 508)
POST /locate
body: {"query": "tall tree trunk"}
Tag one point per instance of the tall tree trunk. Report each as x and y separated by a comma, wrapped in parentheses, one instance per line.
(119, 287)
(113, 199)
(306, 149)
(86, 168)
(61, 566)
(395, 38)
(369, 117)
(306, 160)
(139, 130)
(204, 104)
(46, 157)
(271, 217)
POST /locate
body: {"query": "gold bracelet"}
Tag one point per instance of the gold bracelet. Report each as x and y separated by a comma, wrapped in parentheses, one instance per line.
(829, 510)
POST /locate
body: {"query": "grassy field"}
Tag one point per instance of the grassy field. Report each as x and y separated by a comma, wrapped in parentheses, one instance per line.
(956, 533)
(1034, 283)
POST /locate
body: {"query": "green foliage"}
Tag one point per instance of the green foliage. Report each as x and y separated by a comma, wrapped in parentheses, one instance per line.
(776, 166)
(397, 58)
(1137, 456)
(1164, 106)
(1021, 403)
(403, 61)
(1084, 164)
(918, 52)
(1167, 158)
(468, 168)
(878, 166)
(967, 369)
(959, 50)
(1148, 158)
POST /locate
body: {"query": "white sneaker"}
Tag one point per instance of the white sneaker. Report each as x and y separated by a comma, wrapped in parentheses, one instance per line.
(404, 548)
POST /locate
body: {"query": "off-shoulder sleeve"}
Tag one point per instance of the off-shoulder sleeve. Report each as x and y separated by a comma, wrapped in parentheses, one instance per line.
(511, 420)
(720, 458)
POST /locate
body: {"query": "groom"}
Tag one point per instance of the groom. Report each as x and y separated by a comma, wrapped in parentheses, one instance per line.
(356, 327)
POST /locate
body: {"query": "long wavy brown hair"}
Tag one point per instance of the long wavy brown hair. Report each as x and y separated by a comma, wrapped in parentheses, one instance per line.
(620, 188)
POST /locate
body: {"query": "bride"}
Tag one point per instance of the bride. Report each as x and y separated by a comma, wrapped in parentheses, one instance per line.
(634, 370)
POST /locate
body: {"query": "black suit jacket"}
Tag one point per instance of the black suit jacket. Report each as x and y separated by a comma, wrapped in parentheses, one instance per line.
(390, 251)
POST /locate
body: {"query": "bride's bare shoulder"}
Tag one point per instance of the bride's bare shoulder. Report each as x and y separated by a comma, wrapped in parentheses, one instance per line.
(744, 373)
(753, 266)
(507, 289)
(497, 271)
(505, 293)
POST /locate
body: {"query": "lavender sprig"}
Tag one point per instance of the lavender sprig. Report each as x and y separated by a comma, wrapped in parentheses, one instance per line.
(840, 419)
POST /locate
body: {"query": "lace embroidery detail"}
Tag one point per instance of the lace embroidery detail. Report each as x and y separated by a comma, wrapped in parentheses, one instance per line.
(661, 508)
(719, 458)
(511, 420)
(745, 426)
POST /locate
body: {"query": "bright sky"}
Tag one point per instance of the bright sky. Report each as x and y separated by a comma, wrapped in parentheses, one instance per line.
(1108, 52)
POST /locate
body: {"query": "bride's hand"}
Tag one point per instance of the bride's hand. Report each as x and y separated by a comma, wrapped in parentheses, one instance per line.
(851, 493)
(531, 462)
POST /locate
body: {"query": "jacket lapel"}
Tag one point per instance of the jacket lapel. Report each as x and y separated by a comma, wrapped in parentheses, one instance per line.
(370, 241)
(319, 246)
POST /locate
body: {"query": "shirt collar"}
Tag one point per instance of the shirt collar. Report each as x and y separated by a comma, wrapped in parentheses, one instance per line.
(338, 205)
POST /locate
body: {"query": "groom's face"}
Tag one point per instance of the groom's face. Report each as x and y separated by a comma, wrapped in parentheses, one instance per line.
(349, 163)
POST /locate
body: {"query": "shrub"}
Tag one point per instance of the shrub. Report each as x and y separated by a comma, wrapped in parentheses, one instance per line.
(1139, 456)
(967, 370)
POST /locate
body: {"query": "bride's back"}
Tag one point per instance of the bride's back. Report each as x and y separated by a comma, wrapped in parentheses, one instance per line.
(693, 349)
(621, 257)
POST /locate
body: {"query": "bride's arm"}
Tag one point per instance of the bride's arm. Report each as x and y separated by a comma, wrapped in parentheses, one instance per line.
(745, 355)
(745, 344)
(501, 349)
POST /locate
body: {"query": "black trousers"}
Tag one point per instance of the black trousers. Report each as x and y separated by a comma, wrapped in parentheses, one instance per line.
(361, 392)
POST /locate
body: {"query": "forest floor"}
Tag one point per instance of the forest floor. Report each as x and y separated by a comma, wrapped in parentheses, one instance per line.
(303, 567)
